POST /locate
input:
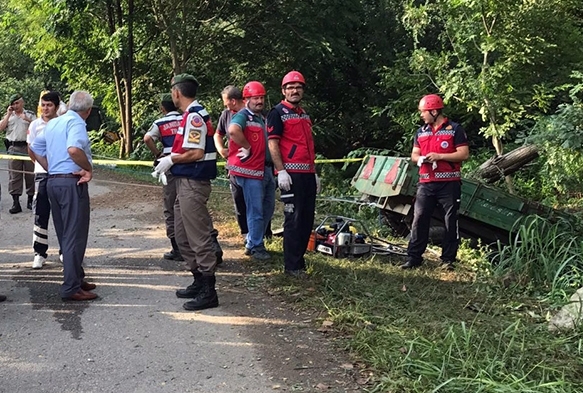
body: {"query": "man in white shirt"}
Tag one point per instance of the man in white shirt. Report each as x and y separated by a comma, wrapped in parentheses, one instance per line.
(41, 207)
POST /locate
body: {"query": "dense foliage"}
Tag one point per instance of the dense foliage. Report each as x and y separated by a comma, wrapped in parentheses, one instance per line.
(502, 66)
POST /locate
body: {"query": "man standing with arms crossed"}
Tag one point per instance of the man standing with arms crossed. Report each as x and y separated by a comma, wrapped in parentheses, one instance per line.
(439, 148)
(193, 161)
(16, 122)
(164, 129)
(41, 206)
(292, 148)
(64, 151)
(250, 163)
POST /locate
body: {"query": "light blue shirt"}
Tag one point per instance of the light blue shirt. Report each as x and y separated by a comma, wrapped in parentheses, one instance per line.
(61, 133)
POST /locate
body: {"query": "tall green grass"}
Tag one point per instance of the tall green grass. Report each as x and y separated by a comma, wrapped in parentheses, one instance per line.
(544, 258)
(422, 331)
(467, 360)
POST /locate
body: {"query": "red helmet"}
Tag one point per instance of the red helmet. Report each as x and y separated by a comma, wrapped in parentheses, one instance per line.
(253, 89)
(430, 102)
(293, 76)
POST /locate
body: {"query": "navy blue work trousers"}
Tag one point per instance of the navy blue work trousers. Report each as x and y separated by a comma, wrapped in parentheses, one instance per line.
(299, 209)
(70, 209)
(41, 208)
(429, 196)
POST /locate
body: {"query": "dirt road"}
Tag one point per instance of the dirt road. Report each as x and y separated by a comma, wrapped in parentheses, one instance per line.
(136, 337)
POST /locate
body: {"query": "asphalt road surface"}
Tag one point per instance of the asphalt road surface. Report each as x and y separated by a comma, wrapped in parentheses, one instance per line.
(136, 337)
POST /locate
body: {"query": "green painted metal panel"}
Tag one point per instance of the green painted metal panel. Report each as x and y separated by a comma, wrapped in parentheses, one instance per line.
(385, 178)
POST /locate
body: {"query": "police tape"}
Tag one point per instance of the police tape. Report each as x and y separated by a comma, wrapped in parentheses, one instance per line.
(109, 162)
(222, 182)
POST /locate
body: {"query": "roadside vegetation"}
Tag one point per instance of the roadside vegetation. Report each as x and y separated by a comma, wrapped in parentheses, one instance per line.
(482, 328)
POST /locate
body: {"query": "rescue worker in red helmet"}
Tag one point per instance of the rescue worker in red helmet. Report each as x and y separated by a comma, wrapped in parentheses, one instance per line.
(439, 148)
(292, 148)
(249, 162)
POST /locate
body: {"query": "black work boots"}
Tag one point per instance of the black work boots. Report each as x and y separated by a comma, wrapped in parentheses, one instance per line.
(16, 208)
(191, 291)
(206, 298)
(174, 254)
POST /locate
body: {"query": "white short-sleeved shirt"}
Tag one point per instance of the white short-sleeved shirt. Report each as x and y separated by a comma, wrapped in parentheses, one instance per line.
(35, 128)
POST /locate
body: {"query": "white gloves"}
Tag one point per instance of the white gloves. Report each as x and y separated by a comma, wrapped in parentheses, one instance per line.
(318, 184)
(243, 154)
(284, 180)
(161, 177)
(421, 160)
(164, 165)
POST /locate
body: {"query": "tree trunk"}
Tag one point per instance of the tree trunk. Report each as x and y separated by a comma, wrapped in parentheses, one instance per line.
(504, 165)
(122, 71)
(129, 140)
(121, 105)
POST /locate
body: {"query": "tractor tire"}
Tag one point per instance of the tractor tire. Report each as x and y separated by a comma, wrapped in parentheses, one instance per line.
(397, 222)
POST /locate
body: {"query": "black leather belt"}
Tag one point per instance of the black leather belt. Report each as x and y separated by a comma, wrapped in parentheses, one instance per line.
(64, 175)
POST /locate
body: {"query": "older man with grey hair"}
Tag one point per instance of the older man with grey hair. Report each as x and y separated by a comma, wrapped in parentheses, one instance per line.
(64, 150)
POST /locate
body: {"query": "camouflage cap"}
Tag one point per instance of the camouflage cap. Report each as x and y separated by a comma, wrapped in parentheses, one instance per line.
(166, 97)
(15, 97)
(181, 78)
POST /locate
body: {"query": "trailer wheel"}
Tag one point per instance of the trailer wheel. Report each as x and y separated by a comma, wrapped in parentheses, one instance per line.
(397, 222)
(436, 234)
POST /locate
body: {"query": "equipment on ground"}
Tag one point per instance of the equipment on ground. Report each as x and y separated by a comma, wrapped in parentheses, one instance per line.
(343, 237)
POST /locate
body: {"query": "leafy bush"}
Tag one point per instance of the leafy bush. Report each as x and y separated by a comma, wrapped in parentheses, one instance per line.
(30, 89)
(100, 148)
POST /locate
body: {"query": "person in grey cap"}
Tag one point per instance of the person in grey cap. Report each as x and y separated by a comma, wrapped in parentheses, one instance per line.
(165, 129)
(15, 122)
(193, 161)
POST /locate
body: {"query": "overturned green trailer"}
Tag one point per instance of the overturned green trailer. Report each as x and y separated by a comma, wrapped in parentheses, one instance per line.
(486, 212)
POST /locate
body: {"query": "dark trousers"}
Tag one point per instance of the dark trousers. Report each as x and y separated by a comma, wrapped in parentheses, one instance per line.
(429, 195)
(41, 209)
(299, 208)
(70, 209)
